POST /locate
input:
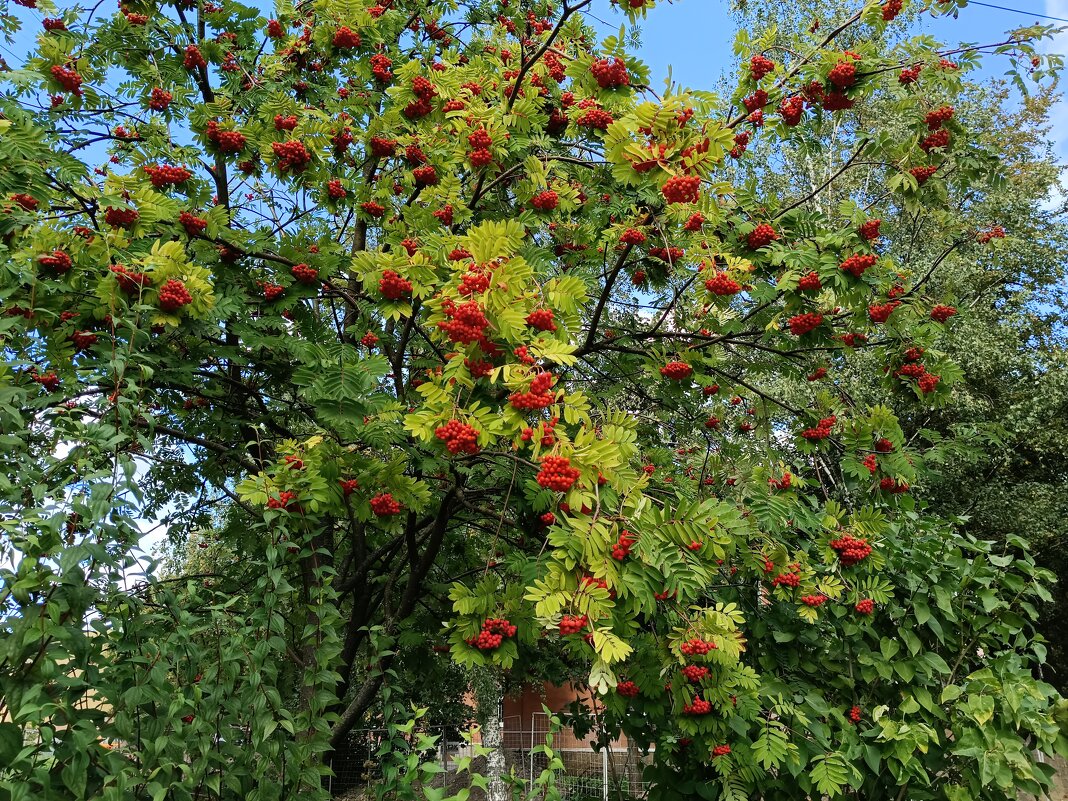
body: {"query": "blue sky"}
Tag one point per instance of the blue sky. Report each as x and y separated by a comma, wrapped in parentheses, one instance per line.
(694, 38)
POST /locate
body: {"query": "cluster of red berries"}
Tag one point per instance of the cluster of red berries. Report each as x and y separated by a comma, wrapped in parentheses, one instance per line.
(801, 324)
(537, 397)
(292, 156)
(120, 218)
(698, 706)
(694, 673)
(880, 312)
(628, 689)
(225, 141)
(610, 74)
(393, 286)
(193, 59)
(425, 175)
(997, 232)
(935, 119)
(541, 319)
(791, 109)
(69, 79)
(572, 624)
(545, 201)
(721, 750)
(676, 371)
(346, 39)
(697, 647)
(50, 381)
(424, 91)
(458, 437)
(810, 282)
(271, 291)
(373, 208)
(753, 102)
(909, 74)
(939, 139)
(681, 189)
(621, 550)
(632, 236)
(467, 322)
(871, 462)
(304, 274)
(814, 600)
(494, 632)
(865, 606)
(83, 340)
(857, 264)
(759, 66)
(193, 225)
(790, 578)
(821, 430)
(557, 473)
(159, 100)
(476, 281)
(287, 123)
(26, 202)
(785, 482)
(173, 295)
(854, 711)
(670, 254)
(761, 236)
(595, 118)
(58, 261)
(843, 74)
(941, 313)
(870, 230)
(129, 282)
(890, 9)
(167, 175)
(286, 500)
(380, 67)
(384, 505)
(334, 189)
(922, 174)
(53, 24)
(893, 487)
(851, 550)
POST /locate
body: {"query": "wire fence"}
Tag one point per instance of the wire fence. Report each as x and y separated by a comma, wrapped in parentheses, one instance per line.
(612, 773)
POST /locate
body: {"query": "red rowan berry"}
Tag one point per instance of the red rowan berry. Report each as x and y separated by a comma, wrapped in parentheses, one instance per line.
(759, 66)
(304, 274)
(851, 550)
(942, 313)
(572, 624)
(393, 287)
(676, 371)
(801, 324)
(865, 606)
(557, 473)
(384, 505)
(628, 689)
(857, 264)
(541, 319)
(681, 189)
(722, 285)
(843, 74)
(545, 201)
(173, 295)
(193, 59)
(458, 437)
(346, 39)
(610, 74)
(761, 236)
(193, 225)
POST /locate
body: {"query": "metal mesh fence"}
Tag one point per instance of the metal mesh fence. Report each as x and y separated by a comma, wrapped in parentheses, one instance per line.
(613, 773)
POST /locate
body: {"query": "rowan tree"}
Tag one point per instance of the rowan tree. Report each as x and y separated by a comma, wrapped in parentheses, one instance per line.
(413, 306)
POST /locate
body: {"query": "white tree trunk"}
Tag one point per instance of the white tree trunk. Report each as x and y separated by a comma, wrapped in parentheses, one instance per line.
(493, 739)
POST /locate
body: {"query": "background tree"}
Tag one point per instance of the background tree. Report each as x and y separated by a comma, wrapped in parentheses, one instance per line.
(437, 310)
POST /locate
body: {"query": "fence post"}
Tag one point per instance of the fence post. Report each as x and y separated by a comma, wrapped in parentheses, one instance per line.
(604, 771)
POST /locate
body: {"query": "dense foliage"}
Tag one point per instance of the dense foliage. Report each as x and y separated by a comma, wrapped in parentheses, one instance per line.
(413, 311)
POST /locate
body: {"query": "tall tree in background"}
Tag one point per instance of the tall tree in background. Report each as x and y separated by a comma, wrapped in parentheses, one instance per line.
(427, 310)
